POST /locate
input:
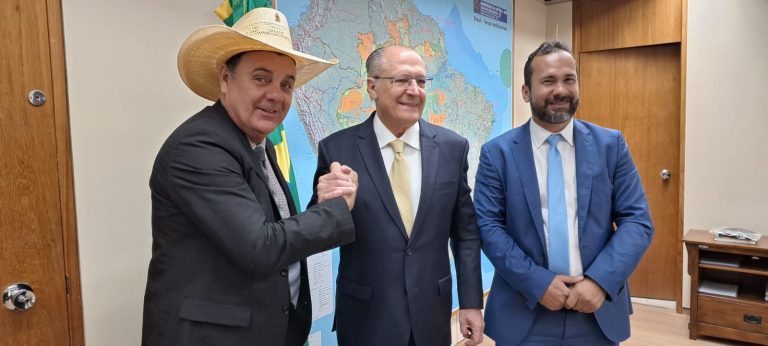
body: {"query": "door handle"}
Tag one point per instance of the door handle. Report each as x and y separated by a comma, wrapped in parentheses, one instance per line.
(36, 98)
(19, 296)
(665, 174)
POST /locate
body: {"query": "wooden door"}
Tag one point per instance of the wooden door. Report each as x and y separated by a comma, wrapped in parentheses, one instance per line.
(36, 208)
(637, 90)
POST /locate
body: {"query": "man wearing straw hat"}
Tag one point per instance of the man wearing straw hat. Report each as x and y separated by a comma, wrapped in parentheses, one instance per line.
(228, 247)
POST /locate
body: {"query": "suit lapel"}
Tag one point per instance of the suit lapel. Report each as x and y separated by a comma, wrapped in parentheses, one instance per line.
(585, 161)
(245, 143)
(526, 169)
(370, 152)
(430, 152)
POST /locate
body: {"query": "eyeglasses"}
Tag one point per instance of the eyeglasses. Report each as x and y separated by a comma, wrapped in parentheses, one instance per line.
(404, 82)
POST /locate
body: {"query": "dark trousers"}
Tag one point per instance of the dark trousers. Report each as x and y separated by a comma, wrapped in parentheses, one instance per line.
(297, 329)
(565, 327)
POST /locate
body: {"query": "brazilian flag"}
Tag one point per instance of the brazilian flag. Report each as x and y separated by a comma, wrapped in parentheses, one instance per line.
(230, 11)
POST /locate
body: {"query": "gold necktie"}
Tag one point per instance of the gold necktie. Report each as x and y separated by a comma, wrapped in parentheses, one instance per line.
(401, 185)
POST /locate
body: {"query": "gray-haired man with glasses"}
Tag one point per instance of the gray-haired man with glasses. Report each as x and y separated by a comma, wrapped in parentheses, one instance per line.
(394, 283)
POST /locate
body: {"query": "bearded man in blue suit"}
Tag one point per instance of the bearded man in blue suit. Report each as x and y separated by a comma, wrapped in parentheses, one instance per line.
(563, 218)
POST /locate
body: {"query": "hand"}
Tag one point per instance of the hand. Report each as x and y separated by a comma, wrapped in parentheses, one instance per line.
(341, 181)
(471, 325)
(586, 296)
(350, 196)
(558, 291)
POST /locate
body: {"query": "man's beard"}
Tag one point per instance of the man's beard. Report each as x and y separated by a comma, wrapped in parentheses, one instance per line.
(555, 117)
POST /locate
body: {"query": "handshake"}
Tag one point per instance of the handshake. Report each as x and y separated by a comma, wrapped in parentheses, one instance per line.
(341, 181)
(573, 292)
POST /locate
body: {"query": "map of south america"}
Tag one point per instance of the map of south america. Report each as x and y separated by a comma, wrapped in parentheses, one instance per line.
(350, 31)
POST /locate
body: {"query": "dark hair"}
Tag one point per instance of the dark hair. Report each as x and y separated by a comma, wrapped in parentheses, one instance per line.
(233, 61)
(374, 60)
(545, 48)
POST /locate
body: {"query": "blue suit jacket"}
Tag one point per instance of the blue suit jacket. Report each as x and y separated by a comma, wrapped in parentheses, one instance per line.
(509, 216)
(389, 285)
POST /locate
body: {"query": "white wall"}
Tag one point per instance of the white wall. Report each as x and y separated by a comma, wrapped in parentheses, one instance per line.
(530, 31)
(125, 97)
(727, 118)
(560, 22)
(726, 160)
(534, 24)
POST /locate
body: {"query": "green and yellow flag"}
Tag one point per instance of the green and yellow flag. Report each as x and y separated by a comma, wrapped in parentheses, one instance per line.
(230, 11)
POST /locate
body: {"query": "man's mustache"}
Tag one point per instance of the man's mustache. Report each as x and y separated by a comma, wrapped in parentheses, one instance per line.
(560, 99)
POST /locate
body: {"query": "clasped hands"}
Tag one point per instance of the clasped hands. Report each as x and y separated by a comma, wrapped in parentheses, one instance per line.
(574, 293)
(341, 181)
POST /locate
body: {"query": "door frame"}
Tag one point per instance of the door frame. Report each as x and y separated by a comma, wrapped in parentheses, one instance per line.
(576, 19)
(681, 201)
(66, 176)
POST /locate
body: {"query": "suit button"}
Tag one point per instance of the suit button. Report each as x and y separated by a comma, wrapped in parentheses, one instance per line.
(284, 273)
(285, 309)
(409, 251)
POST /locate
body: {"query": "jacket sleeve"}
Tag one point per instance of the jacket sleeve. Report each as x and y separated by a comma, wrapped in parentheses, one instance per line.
(465, 243)
(207, 182)
(634, 229)
(323, 167)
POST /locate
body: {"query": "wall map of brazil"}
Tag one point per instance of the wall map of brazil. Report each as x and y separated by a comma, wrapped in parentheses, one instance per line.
(467, 47)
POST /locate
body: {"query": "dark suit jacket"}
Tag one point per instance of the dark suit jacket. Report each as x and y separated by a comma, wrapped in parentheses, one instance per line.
(389, 285)
(220, 253)
(609, 192)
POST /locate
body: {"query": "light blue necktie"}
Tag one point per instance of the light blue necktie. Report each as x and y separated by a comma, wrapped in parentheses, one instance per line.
(557, 218)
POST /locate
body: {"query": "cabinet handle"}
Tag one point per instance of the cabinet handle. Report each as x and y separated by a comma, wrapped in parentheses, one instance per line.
(753, 319)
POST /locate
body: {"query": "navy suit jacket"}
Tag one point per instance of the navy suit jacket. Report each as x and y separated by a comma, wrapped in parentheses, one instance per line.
(508, 206)
(220, 252)
(389, 285)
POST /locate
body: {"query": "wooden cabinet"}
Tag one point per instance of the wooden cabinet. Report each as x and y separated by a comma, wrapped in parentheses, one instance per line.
(744, 317)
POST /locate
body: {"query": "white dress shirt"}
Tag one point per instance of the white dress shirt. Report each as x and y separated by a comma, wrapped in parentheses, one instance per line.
(412, 154)
(568, 154)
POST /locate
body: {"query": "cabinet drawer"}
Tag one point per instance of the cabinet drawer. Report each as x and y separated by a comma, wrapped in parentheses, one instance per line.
(733, 314)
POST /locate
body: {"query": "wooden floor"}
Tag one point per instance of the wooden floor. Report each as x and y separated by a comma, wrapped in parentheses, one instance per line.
(659, 327)
(664, 327)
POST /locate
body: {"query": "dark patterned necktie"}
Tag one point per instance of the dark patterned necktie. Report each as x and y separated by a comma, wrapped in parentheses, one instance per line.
(294, 271)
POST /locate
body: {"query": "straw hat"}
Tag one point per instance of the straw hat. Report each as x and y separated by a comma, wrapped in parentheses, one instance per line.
(206, 50)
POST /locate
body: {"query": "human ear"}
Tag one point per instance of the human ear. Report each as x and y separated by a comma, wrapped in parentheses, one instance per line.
(526, 93)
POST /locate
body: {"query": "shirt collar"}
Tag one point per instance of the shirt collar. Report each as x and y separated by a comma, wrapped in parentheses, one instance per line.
(384, 136)
(260, 144)
(539, 135)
